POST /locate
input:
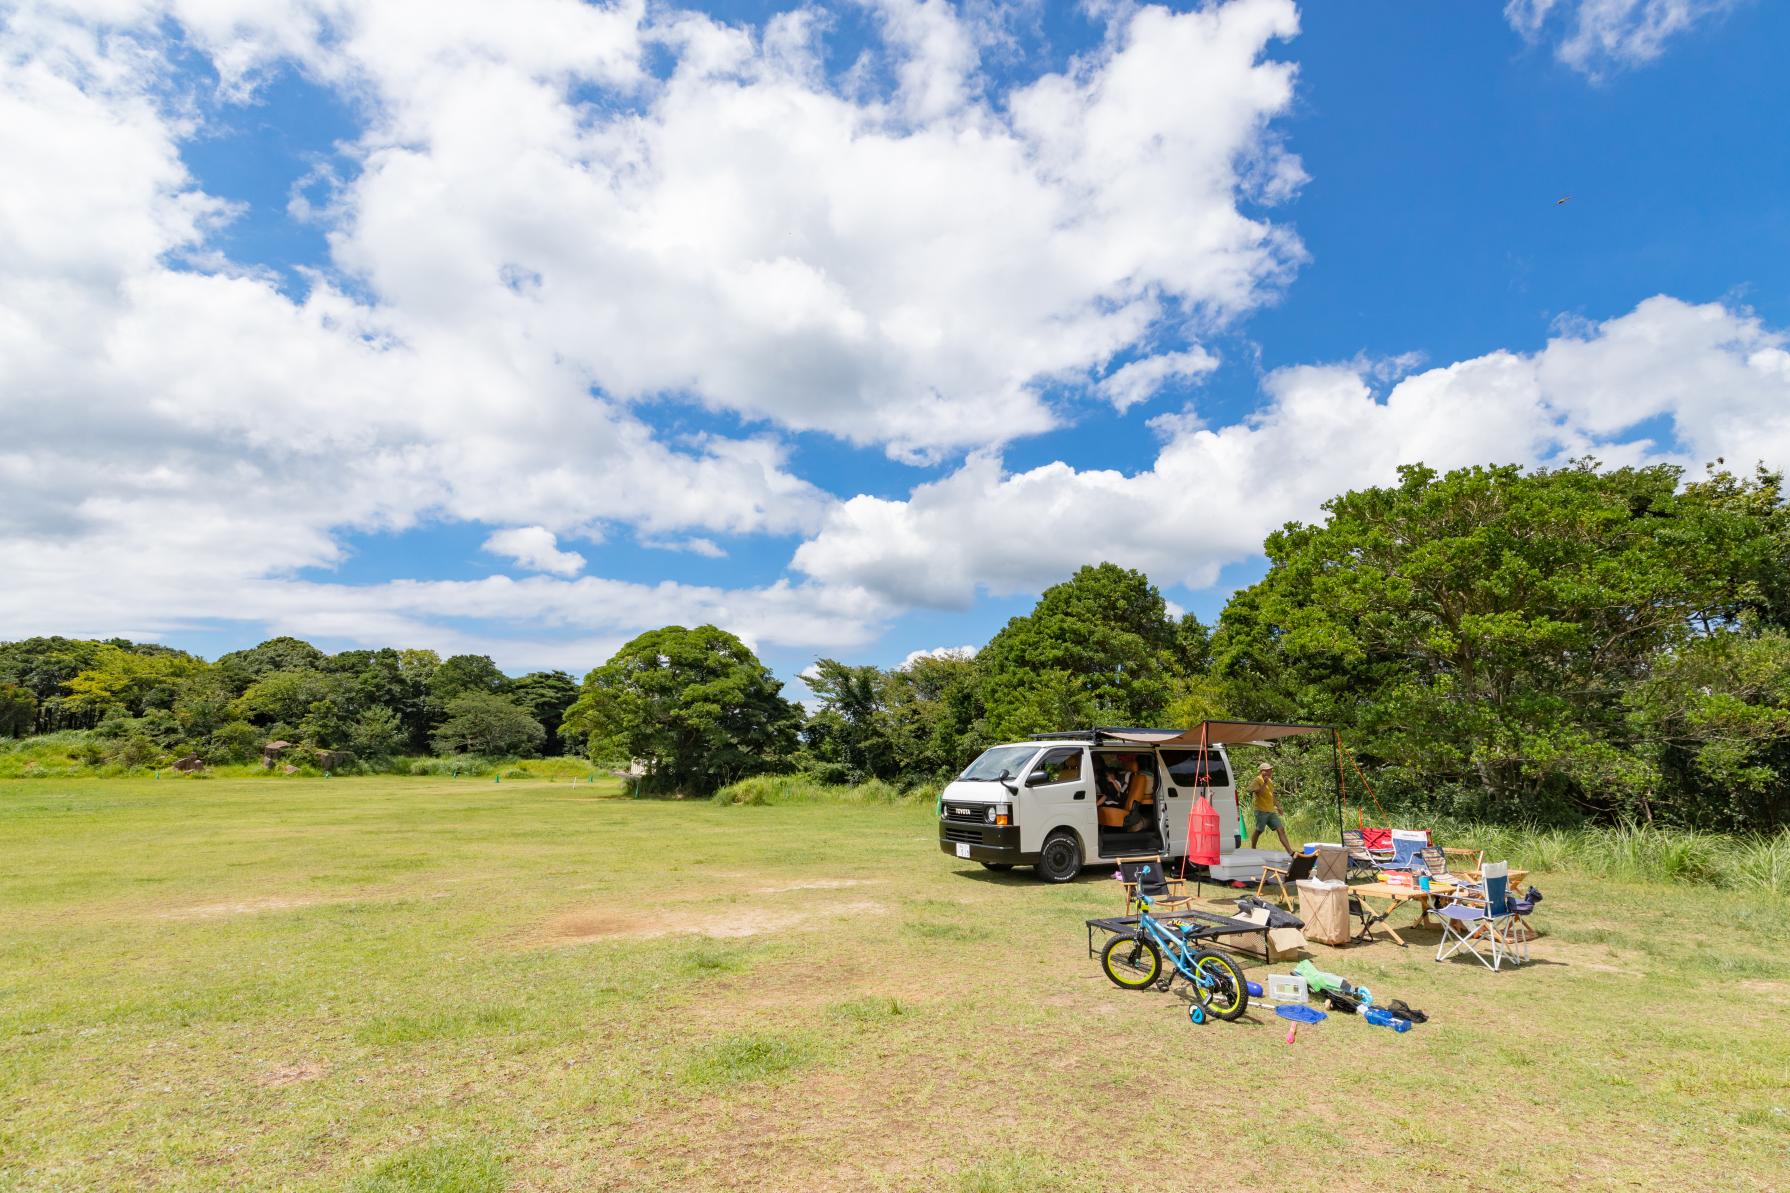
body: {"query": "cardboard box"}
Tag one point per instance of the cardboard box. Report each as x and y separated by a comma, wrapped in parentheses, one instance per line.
(1282, 942)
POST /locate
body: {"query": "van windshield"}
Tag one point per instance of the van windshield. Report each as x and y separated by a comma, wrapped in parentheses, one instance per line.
(989, 766)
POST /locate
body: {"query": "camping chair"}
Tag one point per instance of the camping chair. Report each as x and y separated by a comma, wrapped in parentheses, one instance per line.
(1300, 867)
(1483, 919)
(1431, 861)
(1407, 844)
(1377, 842)
(1360, 860)
(1144, 876)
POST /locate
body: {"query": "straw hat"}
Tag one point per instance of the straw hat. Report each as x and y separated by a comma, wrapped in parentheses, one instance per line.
(1266, 766)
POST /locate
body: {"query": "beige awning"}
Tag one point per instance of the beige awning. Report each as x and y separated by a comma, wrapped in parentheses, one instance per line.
(1216, 733)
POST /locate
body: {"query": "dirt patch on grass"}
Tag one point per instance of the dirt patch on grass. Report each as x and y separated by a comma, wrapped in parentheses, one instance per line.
(215, 911)
(817, 884)
(1599, 967)
(284, 1075)
(1766, 986)
(583, 927)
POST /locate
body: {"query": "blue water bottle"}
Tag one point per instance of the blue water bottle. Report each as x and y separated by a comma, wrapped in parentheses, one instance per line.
(1381, 1017)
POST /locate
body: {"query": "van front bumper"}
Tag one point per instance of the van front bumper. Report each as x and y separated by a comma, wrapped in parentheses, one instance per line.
(998, 844)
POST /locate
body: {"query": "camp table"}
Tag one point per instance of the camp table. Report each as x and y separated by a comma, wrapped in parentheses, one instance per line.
(1201, 925)
(1440, 888)
(1394, 895)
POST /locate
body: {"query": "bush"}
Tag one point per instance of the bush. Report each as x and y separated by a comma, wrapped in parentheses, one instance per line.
(138, 750)
(454, 764)
(234, 741)
(762, 791)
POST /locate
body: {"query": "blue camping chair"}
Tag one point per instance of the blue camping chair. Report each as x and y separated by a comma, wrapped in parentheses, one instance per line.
(1407, 849)
(1483, 920)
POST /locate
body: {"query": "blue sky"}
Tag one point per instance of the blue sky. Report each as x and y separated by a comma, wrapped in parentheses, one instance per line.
(812, 325)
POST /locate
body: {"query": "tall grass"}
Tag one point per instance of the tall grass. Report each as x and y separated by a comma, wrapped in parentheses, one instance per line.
(771, 790)
(1625, 852)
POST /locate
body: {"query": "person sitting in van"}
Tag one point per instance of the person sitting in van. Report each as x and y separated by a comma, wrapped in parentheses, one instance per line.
(1109, 786)
(1111, 783)
(1140, 796)
(1126, 802)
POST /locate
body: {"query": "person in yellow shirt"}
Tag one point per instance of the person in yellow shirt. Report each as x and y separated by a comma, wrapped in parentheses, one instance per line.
(1267, 812)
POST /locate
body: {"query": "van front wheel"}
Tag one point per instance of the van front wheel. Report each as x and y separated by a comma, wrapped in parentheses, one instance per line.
(1060, 859)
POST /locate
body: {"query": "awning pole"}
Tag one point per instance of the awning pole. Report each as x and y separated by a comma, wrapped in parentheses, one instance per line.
(1336, 760)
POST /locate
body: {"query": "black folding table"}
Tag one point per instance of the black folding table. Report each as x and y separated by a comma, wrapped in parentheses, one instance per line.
(1199, 925)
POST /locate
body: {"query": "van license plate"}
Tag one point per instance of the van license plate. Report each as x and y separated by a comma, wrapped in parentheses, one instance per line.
(962, 849)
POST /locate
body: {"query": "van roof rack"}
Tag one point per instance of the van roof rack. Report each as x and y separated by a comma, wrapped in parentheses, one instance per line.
(1097, 734)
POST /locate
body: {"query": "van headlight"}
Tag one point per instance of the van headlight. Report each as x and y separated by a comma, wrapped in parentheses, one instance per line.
(999, 814)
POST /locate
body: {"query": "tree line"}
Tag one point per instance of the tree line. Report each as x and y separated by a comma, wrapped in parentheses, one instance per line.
(1551, 646)
(1554, 646)
(141, 703)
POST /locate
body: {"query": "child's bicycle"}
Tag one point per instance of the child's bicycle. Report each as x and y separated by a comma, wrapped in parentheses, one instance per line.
(1134, 962)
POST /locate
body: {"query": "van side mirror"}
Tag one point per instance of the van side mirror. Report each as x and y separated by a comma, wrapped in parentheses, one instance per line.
(1038, 775)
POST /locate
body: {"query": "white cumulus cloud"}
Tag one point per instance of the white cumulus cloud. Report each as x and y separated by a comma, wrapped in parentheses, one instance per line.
(1597, 36)
(535, 548)
(938, 652)
(1719, 376)
(553, 216)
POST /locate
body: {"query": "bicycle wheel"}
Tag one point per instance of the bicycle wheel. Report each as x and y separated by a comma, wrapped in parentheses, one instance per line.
(1227, 992)
(1131, 962)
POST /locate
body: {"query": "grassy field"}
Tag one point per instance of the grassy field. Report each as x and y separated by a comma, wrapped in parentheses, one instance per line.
(419, 983)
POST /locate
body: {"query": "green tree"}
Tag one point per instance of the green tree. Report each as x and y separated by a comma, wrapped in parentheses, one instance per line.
(18, 710)
(546, 695)
(1099, 648)
(466, 673)
(694, 707)
(486, 723)
(42, 666)
(851, 733)
(388, 679)
(203, 704)
(1479, 631)
(377, 733)
(130, 679)
(284, 697)
(233, 741)
(327, 723)
(244, 667)
(1712, 720)
(933, 709)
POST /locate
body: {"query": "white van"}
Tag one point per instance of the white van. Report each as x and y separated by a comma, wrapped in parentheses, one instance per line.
(1035, 804)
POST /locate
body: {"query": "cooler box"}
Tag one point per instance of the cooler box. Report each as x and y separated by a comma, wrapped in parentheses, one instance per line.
(1324, 906)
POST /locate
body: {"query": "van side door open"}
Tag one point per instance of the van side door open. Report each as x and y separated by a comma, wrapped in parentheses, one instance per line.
(1113, 771)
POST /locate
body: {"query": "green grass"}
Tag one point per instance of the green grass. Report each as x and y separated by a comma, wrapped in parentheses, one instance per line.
(409, 983)
(736, 1060)
(436, 1168)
